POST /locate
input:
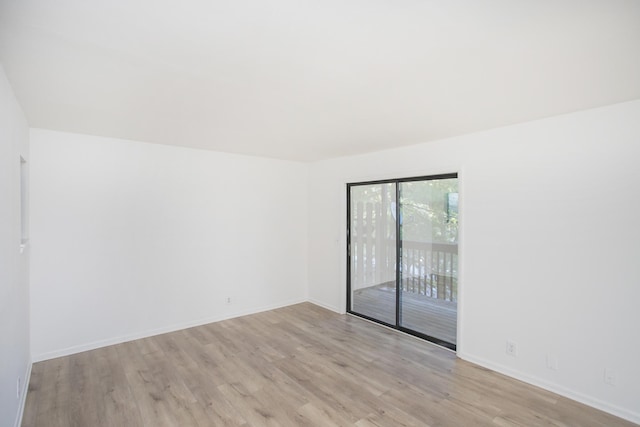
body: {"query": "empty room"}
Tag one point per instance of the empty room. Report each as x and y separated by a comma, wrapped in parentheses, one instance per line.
(319, 213)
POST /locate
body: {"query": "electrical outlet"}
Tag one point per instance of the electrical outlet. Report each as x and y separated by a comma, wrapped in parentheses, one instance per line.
(552, 362)
(512, 349)
(610, 376)
(228, 300)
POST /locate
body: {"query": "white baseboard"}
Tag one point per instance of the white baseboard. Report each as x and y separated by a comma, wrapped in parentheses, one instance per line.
(328, 307)
(23, 397)
(158, 331)
(626, 414)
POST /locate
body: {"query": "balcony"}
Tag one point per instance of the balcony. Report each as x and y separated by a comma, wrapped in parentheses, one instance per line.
(429, 288)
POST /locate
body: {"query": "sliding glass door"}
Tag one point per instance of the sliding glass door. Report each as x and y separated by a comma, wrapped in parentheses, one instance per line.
(403, 254)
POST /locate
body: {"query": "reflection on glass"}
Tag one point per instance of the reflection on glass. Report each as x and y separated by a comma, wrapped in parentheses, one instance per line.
(429, 242)
(373, 251)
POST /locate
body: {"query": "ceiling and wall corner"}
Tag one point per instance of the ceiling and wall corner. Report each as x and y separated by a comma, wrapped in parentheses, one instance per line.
(309, 81)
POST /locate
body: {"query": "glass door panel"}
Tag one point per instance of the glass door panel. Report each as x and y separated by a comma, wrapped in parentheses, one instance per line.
(372, 249)
(429, 257)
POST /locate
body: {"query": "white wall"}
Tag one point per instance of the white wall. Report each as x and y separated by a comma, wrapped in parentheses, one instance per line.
(131, 239)
(549, 246)
(15, 361)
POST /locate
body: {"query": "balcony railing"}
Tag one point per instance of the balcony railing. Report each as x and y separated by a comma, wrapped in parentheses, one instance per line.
(429, 269)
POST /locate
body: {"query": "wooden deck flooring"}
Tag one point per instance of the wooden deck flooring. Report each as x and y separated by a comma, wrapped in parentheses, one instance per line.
(300, 365)
(429, 316)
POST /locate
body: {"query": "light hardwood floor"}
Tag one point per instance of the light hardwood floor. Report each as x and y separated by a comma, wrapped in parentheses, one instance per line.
(296, 366)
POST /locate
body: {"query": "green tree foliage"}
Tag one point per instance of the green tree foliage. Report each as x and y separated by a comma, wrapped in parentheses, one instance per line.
(428, 209)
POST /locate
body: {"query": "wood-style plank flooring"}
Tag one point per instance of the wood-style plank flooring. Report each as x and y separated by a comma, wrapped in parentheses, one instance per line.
(296, 366)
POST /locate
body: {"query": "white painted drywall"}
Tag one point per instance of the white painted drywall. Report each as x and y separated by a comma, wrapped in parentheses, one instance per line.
(15, 360)
(549, 246)
(131, 239)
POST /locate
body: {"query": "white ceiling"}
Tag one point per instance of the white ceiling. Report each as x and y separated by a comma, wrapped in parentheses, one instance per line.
(307, 80)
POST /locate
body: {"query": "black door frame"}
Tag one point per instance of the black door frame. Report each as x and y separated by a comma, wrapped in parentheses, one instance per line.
(398, 272)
